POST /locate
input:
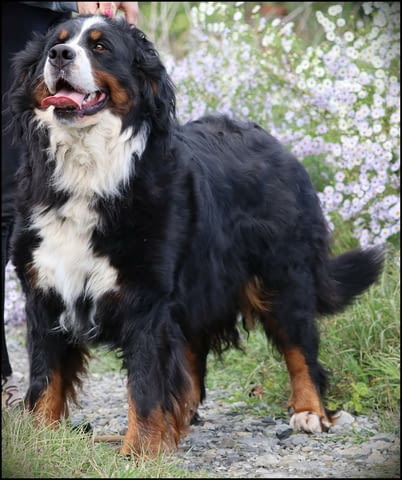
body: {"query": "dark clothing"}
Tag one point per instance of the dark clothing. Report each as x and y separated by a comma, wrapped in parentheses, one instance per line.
(18, 22)
(6, 228)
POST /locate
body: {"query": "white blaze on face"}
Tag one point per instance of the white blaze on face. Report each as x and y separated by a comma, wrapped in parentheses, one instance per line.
(81, 74)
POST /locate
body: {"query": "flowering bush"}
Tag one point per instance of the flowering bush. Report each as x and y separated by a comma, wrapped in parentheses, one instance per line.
(14, 299)
(335, 105)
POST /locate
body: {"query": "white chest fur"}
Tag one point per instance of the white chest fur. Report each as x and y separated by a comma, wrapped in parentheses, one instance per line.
(89, 163)
(64, 260)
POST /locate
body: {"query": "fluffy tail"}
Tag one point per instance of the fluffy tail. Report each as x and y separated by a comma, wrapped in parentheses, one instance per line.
(350, 275)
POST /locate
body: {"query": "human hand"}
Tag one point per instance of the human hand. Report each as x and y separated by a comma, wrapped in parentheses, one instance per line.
(86, 8)
(130, 9)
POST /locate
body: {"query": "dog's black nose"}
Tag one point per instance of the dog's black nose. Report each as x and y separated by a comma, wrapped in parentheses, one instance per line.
(61, 55)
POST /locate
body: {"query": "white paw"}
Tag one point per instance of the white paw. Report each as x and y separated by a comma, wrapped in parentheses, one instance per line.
(308, 422)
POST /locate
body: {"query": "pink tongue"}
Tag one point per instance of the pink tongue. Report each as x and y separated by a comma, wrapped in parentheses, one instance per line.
(63, 99)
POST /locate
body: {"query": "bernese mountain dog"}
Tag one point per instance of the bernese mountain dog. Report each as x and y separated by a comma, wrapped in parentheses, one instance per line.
(158, 239)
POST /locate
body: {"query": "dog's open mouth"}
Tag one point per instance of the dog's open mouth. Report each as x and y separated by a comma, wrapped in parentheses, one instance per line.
(67, 100)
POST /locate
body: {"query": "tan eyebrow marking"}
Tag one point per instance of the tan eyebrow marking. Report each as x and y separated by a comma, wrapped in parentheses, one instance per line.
(63, 35)
(95, 34)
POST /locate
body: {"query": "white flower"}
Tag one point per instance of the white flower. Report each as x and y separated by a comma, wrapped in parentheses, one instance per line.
(377, 62)
(327, 83)
(301, 84)
(380, 73)
(336, 49)
(363, 112)
(319, 71)
(287, 45)
(351, 52)
(304, 64)
(380, 19)
(336, 149)
(374, 32)
(237, 16)
(287, 29)
(330, 36)
(364, 78)
(348, 36)
(335, 10)
(311, 82)
(320, 17)
(367, 7)
(337, 198)
(341, 22)
(377, 112)
(267, 40)
(385, 233)
(379, 84)
(340, 176)
(366, 131)
(209, 10)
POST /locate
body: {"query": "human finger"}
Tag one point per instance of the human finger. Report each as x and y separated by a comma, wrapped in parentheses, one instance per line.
(107, 8)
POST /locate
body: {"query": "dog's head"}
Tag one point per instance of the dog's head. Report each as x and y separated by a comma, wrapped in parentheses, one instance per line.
(88, 65)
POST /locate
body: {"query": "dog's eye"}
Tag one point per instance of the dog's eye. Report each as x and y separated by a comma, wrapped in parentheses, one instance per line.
(99, 47)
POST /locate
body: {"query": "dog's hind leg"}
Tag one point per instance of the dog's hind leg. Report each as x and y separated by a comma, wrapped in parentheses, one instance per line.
(299, 344)
(288, 318)
(305, 403)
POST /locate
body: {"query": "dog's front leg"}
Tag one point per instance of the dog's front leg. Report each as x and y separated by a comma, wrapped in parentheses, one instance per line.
(163, 391)
(55, 364)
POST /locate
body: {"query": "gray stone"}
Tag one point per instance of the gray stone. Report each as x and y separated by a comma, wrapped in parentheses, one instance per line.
(283, 431)
(344, 418)
(266, 460)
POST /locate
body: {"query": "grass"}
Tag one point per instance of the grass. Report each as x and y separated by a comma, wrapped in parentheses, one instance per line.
(31, 452)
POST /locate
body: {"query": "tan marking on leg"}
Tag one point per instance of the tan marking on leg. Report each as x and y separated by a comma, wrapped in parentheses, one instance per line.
(254, 300)
(192, 396)
(161, 431)
(150, 436)
(304, 394)
(51, 405)
(305, 402)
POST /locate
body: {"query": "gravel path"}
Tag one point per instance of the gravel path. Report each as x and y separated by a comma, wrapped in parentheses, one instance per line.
(230, 441)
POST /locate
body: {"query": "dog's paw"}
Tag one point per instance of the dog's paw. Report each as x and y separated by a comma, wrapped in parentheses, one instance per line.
(309, 422)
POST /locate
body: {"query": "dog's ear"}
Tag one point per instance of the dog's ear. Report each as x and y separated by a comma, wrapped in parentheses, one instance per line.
(156, 87)
(26, 73)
